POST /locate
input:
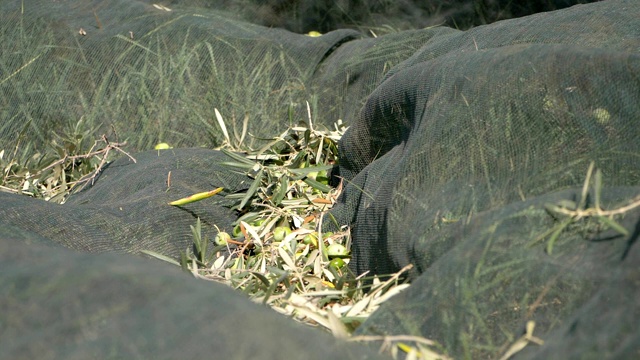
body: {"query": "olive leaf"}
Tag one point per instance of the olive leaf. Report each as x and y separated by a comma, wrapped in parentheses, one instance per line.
(196, 197)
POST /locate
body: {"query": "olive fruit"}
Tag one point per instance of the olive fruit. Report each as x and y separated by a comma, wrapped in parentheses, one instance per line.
(222, 238)
(258, 222)
(163, 146)
(312, 175)
(322, 177)
(280, 233)
(336, 250)
(337, 263)
(310, 239)
(237, 232)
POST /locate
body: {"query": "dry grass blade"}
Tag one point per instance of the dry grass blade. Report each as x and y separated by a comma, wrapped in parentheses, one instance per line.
(523, 341)
(399, 342)
(336, 326)
(223, 127)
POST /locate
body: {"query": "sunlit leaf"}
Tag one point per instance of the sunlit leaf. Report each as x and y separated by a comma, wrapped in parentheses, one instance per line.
(195, 197)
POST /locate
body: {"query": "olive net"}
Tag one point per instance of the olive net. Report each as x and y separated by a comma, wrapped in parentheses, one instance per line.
(63, 304)
(453, 159)
(502, 161)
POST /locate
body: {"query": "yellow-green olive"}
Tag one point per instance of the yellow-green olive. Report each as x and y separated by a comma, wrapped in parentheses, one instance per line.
(237, 232)
(310, 239)
(336, 250)
(312, 175)
(163, 146)
(222, 238)
(280, 233)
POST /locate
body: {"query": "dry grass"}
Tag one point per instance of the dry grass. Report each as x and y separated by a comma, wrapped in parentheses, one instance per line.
(277, 252)
(70, 162)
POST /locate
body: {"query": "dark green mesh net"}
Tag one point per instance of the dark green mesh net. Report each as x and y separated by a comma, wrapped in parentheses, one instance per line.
(467, 156)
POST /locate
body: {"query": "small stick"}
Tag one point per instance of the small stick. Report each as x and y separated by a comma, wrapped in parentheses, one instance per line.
(97, 20)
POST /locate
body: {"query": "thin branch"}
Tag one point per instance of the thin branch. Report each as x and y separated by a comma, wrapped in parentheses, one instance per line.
(103, 160)
(578, 214)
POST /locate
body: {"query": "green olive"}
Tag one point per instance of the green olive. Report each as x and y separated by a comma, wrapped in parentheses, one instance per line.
(322, 177)
(336, 250)
(310, 239)
(222, 238)
(237, 232)
(337, 263)
(280, 233)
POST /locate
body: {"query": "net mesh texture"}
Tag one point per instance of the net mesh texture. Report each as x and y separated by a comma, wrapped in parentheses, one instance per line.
(467, 141)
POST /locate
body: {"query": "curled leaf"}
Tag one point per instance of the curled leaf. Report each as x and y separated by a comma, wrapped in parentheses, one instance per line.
(195, 197)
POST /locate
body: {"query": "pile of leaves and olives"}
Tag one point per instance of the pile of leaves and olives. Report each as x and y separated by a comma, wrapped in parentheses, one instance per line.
(276, 252)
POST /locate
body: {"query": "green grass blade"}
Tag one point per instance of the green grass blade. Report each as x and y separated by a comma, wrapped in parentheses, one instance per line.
(614, 225)
(160, 257)
(556, 233)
